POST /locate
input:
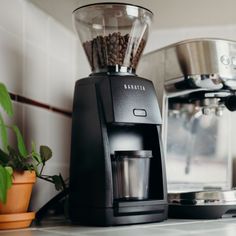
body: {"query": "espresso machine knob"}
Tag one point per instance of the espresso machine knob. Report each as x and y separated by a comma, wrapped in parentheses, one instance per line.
(230, 103)
(206, 111)
(219, 111)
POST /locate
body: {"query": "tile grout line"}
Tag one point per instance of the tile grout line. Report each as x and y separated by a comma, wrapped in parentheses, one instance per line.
(24, 100)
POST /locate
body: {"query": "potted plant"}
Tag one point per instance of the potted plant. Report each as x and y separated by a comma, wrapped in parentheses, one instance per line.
(18, 171)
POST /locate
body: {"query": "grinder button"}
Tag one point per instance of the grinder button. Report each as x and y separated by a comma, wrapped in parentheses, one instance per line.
(140, 112)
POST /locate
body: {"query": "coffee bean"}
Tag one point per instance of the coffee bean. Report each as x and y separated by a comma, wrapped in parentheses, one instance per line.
(111, 50)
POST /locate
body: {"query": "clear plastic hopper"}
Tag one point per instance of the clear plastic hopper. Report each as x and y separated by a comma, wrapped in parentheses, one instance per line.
(113, 35)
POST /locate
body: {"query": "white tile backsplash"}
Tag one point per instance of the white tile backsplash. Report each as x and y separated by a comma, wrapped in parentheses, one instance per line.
(11, 62)
(11, 16)
(36, 125)
(36, 73)
(36, 26)
(59, 140)
(82, 65)
(60, 84)
(61, 42)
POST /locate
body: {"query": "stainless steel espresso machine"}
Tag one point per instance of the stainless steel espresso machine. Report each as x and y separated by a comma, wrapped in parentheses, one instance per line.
(196, 84)
(117, 171)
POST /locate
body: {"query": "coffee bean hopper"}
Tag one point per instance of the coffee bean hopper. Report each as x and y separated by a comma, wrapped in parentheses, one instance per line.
(196, 83)
(117, 171)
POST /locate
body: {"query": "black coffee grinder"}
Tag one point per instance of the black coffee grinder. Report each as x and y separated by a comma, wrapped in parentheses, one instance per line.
(117, 171)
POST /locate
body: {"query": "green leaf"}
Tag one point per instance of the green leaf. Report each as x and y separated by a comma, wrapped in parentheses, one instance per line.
(45, 153)
(9, 173)
(33, 146)
(15, 159)
(35, 168)
(3, 134)
(4, 158)
(58, 182)
(3, 184)
(37, 157)
(5, 100)
(20, 141)
(9, 170)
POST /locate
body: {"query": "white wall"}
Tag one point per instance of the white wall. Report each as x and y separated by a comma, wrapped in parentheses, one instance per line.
(163, 37)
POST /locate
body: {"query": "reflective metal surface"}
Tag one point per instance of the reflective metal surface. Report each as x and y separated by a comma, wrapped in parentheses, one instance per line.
(203, 197)
(195, 82)
(208, 63)
(196, 85)
(131, 174)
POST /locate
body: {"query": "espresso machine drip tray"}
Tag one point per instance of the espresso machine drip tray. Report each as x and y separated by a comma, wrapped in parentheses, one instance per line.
(211, 204)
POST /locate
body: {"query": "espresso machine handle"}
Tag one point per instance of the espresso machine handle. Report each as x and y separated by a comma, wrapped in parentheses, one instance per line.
(230, 103)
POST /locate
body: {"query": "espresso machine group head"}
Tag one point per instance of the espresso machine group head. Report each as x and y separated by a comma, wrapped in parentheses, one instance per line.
(117, 171)
(203, 70)
(196, 84)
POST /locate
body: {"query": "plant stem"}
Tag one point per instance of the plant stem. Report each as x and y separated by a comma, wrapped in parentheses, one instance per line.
(41, 171)
(45, 178)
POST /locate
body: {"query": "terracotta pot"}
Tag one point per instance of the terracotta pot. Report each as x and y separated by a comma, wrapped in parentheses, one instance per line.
(16, 221)
(18, 196)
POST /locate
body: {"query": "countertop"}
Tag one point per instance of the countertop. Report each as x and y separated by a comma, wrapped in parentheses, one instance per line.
(170, 227)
